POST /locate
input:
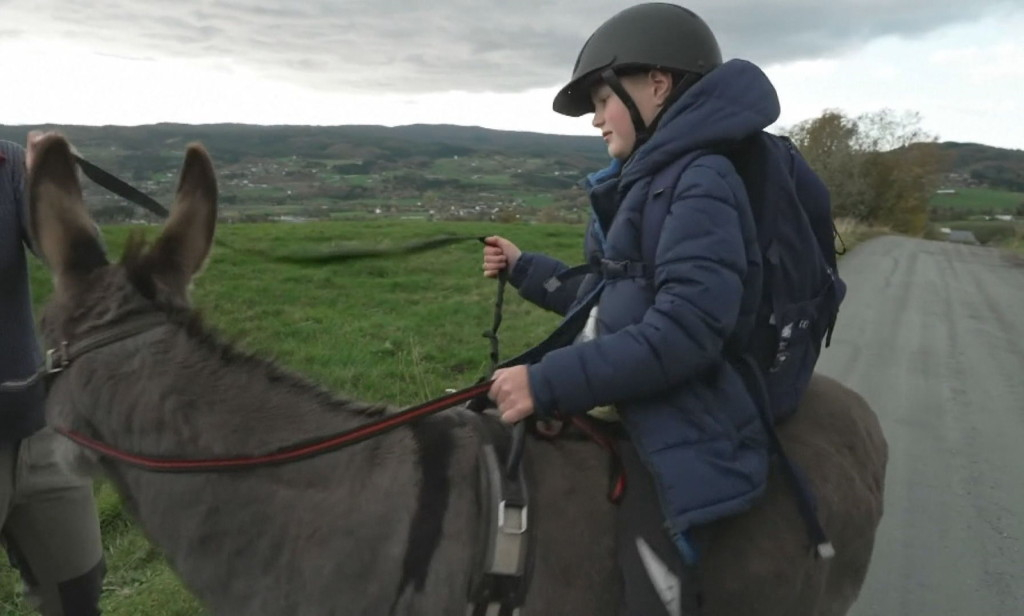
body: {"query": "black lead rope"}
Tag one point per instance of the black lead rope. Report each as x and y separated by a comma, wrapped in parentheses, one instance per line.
(515, 454)
(353, 253)
(121, 188)
(492, 334)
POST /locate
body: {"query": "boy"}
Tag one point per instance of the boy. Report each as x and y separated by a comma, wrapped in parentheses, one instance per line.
(657, 342)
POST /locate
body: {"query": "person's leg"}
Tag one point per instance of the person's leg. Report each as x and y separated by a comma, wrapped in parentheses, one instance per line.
(8, 462)
(52, 531)
(656, 581)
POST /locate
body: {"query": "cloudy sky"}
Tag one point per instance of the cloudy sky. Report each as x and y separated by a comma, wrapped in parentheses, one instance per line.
(487, 62)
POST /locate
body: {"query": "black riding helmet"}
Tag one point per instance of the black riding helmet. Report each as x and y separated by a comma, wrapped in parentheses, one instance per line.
(647, 36)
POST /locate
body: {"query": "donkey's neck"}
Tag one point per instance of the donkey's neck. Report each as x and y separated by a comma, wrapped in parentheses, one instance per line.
(190, 395)
(356, 527)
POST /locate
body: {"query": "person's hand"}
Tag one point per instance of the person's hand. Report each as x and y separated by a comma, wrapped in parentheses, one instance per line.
(32, 146)
(499, 254)
(511, 392)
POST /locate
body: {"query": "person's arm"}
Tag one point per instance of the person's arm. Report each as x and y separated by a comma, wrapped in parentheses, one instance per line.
(533, 274)
(699, 269)
(530, 277)
(13, 156)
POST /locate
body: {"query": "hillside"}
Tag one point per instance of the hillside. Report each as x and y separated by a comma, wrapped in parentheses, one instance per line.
(342, 171)
(984, 166)
(432, 171)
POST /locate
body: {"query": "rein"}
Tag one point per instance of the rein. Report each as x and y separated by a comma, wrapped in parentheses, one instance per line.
(60, 358)
(290, 453)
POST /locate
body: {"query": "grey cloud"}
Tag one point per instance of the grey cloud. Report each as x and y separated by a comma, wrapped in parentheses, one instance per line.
(402, 46)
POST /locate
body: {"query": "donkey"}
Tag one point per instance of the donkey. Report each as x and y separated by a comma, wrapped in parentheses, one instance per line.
(389, 525)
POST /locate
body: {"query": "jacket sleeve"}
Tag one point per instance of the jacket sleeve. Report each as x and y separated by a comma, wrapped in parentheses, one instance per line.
(533, 271)
(14, 161)
(530, 275)
(700, 265)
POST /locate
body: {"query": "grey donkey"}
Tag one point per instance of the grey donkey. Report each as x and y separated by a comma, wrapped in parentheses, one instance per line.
(389, 525)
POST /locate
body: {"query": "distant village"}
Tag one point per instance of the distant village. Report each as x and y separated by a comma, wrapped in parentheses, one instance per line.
(296, 190)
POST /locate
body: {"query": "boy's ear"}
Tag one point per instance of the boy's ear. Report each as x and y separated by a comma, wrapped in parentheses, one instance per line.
(661, 85)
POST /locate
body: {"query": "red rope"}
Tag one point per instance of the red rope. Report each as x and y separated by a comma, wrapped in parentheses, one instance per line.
(287, 454)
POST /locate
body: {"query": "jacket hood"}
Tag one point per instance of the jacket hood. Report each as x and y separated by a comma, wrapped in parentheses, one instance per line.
(731, 103)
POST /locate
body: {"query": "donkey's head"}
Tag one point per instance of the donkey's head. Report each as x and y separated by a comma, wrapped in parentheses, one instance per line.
(89, 292)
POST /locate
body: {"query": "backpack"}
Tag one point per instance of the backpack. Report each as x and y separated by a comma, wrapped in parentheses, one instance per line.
(801, 290)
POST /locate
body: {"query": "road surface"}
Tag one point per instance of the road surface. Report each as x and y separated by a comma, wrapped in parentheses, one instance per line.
(932, 335)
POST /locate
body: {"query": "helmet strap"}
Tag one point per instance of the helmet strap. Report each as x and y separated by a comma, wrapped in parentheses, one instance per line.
(643, 131)
(639, 126)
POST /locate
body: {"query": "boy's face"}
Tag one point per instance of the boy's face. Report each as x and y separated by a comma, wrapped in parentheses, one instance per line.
(648, 91)
(612, 117)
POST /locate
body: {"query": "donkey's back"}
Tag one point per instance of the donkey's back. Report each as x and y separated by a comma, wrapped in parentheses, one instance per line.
(760, 562)
(763, 562)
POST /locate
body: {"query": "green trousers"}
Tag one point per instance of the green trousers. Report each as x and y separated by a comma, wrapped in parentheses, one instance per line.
(50, 527)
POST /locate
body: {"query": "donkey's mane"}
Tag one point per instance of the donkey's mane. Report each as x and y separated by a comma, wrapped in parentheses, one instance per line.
(141, 272)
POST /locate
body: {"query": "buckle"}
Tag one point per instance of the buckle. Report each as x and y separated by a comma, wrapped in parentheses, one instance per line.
(502, 518)
(57, 359)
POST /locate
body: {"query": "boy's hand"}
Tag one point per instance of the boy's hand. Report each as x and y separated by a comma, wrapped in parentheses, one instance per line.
(32, 147)
(511, 392)
(499, 254)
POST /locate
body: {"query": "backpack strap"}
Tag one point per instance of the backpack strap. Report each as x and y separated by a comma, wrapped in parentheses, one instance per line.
(798, 482)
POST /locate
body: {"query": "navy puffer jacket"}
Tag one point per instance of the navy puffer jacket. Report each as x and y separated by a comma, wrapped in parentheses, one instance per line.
(660, 355)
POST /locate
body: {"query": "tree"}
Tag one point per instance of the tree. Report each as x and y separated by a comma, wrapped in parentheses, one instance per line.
(829, 143)
(902, 166)
(880, 167)
(887, 130)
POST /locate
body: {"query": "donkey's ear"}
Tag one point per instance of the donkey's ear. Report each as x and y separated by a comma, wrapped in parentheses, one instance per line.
(62, 232)
(181, 250)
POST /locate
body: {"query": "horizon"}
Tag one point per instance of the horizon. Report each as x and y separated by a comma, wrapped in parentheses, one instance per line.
(594, 138)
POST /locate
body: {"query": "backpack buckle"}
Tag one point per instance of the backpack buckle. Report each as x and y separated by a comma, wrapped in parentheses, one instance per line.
(622, 269)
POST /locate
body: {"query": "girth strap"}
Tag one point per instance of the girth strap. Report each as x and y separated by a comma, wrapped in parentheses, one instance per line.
(504, 560)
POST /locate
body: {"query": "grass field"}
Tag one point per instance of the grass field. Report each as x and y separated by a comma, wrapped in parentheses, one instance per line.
(981, 200)
(988, 232)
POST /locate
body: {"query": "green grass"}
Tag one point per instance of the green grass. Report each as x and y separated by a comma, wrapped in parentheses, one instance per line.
(542, 200)
(987, 232)
(400, 330)
(983, 200)
(357, 180)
